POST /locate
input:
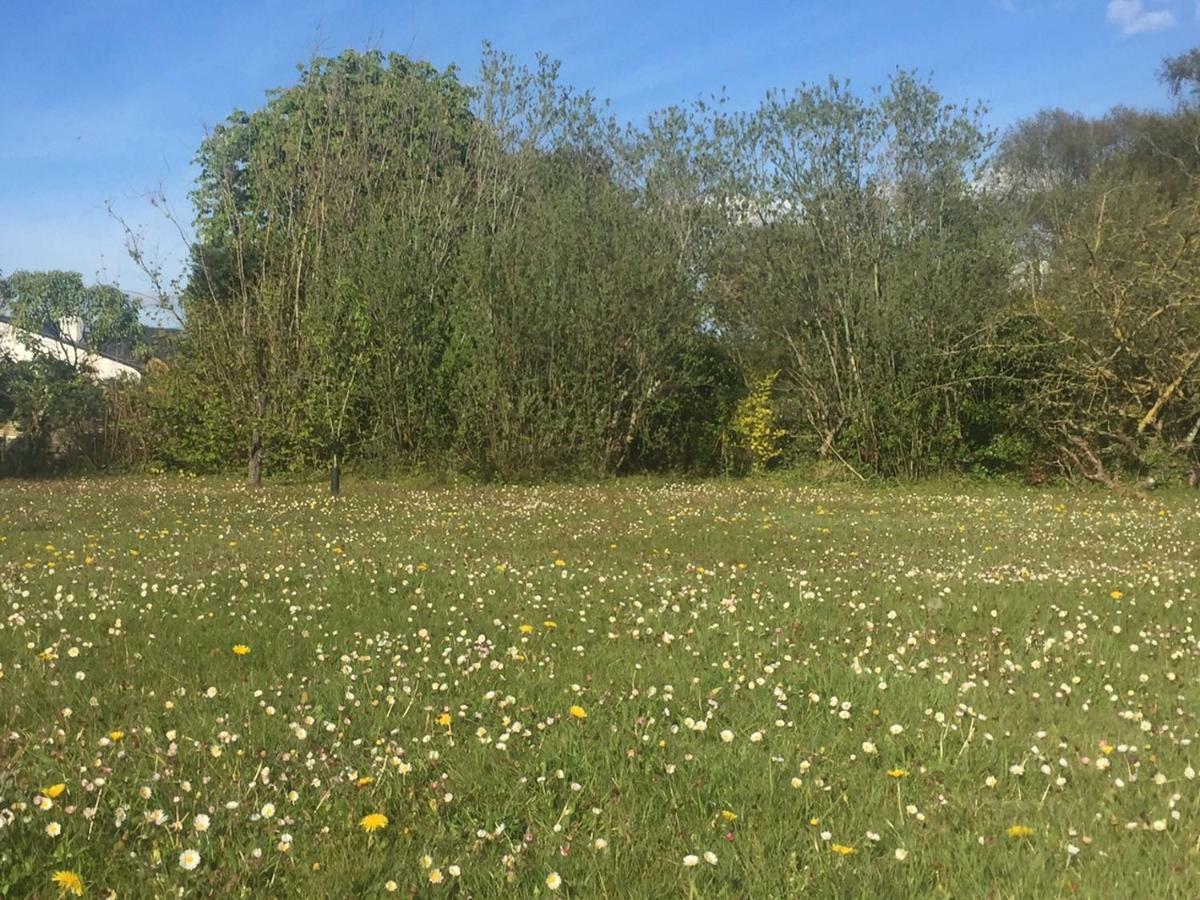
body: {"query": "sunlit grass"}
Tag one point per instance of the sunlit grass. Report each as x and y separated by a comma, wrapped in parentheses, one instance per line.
(726, 689)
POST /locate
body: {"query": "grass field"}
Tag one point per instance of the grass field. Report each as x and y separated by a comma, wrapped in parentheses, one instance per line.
(733, 689)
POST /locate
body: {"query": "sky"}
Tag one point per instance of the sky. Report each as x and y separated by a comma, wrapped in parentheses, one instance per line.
(103, 102)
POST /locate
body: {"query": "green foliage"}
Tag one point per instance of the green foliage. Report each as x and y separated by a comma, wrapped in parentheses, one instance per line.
(405, 271)
(57, 411)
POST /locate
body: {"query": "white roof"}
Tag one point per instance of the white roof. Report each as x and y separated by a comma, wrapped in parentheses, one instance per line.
(14, 343)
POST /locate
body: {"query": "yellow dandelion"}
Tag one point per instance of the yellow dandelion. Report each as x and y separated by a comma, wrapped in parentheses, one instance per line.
(526, 629)
(443, 720)
(578, 712)
(240, 649)
(842, 849)
(364, 781)
(69, 882)
(435, 876)
(1117, 595)
(550, 623)
(897, 773)
(373, 822)
(1019, 831)
(728, 815)
(54, 791)
(115, 736)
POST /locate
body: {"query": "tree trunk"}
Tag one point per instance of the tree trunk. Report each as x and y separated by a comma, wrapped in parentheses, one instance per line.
(335, 475)
(254, 469)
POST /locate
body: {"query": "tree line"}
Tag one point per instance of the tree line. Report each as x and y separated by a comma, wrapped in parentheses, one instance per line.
(397, 268)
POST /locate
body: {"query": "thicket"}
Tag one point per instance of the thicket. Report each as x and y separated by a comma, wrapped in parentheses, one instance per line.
(395, 267)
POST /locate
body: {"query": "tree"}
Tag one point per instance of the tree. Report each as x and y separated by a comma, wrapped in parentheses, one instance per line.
(289, 199)
(1181, 75)
(59, 303)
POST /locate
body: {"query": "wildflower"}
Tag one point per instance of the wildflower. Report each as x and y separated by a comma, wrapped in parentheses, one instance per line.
(443, 720)
(115, 736)
(268, 810)
(578, 712)
(897, 773)
(54, 791)
(373, 822)
(901, 854)
(554, 881)
(69, 882)
(435, 876)
(600, 844)
(842, 849)
(1117, 595)
(896, 729)
(53, 829)
(710, 857)
(550, 623)
(728, 815)
(391, 887)
(727, 736)
(201, 823)
(526, 629)
(188, 860)
(691, 860)
(240, 649)
(1019, 831)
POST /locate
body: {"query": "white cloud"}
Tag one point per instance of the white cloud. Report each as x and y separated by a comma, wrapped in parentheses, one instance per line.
(1132, 17)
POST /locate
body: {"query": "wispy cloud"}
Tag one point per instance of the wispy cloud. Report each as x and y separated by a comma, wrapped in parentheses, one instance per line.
(1132, 17)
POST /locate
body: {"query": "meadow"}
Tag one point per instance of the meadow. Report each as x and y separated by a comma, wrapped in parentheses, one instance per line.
(712, 689)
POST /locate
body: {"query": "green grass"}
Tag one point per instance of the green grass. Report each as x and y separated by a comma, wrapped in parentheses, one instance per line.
(807, 622)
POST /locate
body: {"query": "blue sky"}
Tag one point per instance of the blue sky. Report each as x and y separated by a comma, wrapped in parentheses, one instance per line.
(105, 100)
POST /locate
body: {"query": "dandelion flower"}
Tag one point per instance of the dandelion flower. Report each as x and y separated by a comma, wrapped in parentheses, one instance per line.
(53, 829)
(897, 773)
(578, 712)
(69, 882)
(188, 860)
(1019, 831)
(728, 815)
(443, 720)
(841, 849)
(373, 822)
(240, 649)
(115, 736)
(554, 881)
(54, 791)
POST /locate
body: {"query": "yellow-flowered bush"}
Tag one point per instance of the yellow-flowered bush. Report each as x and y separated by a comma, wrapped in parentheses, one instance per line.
(755, 425)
